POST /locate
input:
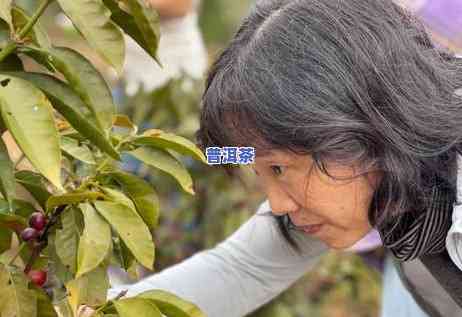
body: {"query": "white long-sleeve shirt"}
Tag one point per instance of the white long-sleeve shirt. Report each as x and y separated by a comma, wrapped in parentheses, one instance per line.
(240, 274)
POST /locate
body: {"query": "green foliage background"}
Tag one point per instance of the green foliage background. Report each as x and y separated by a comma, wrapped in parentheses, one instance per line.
(58, 117)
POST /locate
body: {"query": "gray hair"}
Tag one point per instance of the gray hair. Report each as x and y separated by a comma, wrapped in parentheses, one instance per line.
(341, 80)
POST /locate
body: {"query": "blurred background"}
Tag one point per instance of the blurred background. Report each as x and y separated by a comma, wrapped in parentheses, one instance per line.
(192, 34)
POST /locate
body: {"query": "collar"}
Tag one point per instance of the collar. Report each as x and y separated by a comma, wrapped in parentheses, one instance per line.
(454, 236)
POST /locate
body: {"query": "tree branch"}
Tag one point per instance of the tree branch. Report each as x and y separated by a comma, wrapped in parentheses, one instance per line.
(11, 47)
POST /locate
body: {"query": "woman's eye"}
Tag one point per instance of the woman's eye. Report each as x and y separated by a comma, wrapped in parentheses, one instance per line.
(277, 169)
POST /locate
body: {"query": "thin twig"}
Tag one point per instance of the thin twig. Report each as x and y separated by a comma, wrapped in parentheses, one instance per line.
(42, 241)
(53, 219)
(107, 160)
(120, 295)
(21, 158)
(23, 244)
(7, 50)
(35, 253)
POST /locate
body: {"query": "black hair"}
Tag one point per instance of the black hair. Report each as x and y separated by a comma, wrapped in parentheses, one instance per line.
(341, 80)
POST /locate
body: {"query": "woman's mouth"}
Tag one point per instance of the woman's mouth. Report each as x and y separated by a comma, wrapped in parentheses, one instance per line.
(311, 229)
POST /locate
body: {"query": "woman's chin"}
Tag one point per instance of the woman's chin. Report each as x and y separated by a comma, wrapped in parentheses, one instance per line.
(340, 239)
(337, 244)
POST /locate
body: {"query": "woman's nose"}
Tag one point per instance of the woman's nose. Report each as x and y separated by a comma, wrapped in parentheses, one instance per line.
(281, 203)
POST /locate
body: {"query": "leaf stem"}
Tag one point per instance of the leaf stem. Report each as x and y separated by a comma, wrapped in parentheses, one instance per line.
(12, 45)
(106, 161)
(120, 295)
(7, 50)
(34, 18)
(86, 183)
(42, 241)
(23, 244)
(35, 254)
(21, 158)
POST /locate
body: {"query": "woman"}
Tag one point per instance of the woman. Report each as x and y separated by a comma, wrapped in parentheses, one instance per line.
(356, 125)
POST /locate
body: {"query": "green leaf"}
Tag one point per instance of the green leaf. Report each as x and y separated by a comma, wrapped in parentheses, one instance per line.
(61, 271)
(16, 297)
(71, 107)
(89, 289)
(37, 35)
(41, 58)
(136, 307)
(7, 181)
(44, 306)
(11, 63)
(63, 307)
(166, 162)
(40, 263)
(67, 239)
(5, 11)
(5, 239)
(4, 34)
(123, 254)
(30, 6)
(57, 90)
(130, 26)
(29, 116)
(35, 185)
(161, 139)
(171, 305)
(142, 194)
(71, 199)
(131, 229)
(3, 127)
(92, 19)
(85, 80)
(4, 283)
(118, 197)
(148, 23)
(19, 207)
(76, 150)
(95, 242)
(11, 221)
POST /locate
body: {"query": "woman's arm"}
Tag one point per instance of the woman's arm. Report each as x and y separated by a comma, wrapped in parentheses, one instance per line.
(242, 273)
(171, 8)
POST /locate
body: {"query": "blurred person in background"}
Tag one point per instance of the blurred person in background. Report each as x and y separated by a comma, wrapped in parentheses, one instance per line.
(181, 48)
(443, 19)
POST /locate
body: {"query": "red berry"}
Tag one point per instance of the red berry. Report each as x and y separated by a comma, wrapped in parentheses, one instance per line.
(29, 234)
(38, 221)
(38, 277)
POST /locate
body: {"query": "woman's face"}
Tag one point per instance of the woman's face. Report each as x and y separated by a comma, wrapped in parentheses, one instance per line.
(340, 207)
